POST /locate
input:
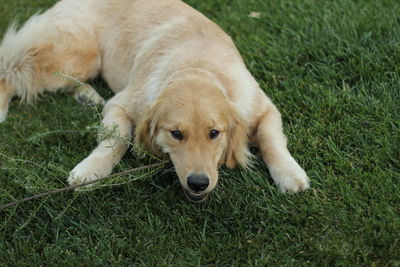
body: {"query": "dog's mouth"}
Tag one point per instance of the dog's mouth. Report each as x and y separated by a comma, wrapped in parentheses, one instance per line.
(193, 197)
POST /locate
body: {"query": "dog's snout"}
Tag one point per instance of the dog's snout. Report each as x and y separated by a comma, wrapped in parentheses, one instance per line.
(198, 182)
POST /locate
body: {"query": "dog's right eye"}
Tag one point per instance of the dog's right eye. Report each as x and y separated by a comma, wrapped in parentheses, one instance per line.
(177, 135)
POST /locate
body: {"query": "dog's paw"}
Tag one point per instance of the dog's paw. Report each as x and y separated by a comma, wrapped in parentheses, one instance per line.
(290, 177)
(88, 96)
(86, 172)
(3, 116)
(3, 110)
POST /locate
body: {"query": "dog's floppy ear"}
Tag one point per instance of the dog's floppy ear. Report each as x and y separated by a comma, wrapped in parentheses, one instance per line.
(237, 151)
(146, 129)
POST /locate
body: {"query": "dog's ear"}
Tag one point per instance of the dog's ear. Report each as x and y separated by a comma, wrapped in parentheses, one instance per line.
(146, 129)
(237, 151)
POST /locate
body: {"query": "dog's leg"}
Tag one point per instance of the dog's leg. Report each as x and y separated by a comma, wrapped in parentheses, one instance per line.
(109, 152)
(5, 97)
(285, 171)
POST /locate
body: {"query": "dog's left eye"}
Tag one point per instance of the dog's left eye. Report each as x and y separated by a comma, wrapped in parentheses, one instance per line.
(214, 134)
(177, 135)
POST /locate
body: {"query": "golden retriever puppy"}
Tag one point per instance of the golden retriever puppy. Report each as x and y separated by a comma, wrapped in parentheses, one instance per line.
(180, 85)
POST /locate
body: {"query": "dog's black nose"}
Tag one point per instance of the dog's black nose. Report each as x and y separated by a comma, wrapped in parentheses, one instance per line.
(198, 182)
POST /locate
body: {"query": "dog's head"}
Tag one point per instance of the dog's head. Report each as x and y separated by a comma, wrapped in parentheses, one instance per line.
(193, 122)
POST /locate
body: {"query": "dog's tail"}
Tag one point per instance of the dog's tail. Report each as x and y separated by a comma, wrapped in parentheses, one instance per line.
(17, 57)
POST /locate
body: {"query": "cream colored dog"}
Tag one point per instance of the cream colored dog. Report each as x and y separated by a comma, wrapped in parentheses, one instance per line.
(179, 82)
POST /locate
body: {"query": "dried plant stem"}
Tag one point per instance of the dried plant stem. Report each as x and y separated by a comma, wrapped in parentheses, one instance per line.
(78, 83)
(72, 187)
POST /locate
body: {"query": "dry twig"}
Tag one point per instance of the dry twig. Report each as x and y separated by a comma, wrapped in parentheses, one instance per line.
(72, 187)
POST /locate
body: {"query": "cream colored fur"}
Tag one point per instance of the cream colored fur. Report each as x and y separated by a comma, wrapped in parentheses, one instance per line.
(171, 69)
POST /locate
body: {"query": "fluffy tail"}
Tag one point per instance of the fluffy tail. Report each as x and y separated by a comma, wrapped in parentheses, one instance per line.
(17, 57)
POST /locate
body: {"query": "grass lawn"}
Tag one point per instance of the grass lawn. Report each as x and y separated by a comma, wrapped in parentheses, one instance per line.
(333, 69)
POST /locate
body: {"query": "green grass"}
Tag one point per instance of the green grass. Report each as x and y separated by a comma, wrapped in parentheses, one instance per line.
(332, 67)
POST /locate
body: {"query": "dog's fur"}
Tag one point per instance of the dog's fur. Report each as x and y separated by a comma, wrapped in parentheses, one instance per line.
(171, 69)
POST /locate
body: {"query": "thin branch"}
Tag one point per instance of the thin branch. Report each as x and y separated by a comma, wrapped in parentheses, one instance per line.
(72, 187)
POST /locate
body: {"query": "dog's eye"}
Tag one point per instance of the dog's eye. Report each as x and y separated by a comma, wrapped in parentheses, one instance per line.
(214, 134)
(177, 135)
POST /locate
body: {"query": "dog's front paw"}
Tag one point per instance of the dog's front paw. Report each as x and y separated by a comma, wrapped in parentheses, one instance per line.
(290, 177)
(87, 171)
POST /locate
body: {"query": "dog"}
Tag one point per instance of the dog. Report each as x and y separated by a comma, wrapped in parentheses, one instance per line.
(180, 86)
